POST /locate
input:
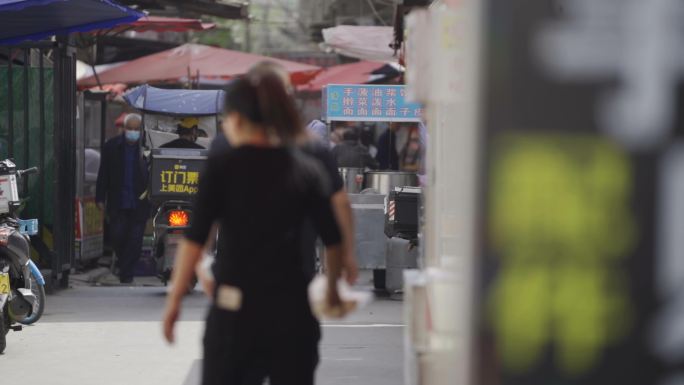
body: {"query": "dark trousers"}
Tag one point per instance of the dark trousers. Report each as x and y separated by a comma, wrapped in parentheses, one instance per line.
(127, 231)
(243, 351)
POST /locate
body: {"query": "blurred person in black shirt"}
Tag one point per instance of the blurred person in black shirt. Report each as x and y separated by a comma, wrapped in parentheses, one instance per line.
(260, 191)
(338, 197)
(318, 147)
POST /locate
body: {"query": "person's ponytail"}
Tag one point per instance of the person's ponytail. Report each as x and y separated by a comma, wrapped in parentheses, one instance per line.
(277, 107)
(262, 97)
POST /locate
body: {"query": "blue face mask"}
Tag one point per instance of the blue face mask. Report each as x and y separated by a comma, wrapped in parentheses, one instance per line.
(132, 136)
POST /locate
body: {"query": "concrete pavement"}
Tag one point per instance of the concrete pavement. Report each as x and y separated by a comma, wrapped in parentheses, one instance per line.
(112, 335)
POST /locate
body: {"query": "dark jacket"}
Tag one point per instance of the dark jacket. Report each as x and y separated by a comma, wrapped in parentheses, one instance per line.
(353, 154)
(387, 157)
(111, 174)
(181, 143)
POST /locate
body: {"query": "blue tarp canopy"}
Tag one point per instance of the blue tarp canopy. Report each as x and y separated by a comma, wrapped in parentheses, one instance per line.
(176, 102)
(39, 19)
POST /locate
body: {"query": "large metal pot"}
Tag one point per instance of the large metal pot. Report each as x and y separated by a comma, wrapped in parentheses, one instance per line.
(353, 179)
(386, 181)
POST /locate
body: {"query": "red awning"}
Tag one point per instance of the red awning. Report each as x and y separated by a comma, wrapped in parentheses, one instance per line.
(162, 24)
(191, 59)
(354, 73)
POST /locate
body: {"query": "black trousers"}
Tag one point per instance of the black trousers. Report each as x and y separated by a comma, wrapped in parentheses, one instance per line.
(240, 349)
(127, 232)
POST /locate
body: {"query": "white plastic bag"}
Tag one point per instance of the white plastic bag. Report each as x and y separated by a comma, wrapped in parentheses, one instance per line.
(351, 299)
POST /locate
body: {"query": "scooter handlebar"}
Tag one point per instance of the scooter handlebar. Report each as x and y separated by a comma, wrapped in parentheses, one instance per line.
(28, 171)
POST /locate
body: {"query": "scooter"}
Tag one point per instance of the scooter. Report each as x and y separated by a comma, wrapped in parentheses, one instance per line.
(169, 223)
(22, 287)
(24, 275)
(5, 289)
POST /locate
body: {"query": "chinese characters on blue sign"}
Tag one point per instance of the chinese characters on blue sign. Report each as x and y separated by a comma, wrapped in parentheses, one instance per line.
(369, 103)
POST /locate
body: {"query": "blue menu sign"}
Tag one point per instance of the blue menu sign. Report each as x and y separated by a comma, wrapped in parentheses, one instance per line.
(347, 102)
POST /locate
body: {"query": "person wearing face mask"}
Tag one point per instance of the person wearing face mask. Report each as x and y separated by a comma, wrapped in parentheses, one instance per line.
(122, 193)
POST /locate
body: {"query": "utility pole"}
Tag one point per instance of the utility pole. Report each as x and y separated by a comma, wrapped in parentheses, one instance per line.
(266, 13)
(248, 34)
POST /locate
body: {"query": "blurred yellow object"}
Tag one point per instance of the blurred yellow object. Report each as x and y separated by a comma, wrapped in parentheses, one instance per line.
(4, 283)
(189, 122)
(561, 225)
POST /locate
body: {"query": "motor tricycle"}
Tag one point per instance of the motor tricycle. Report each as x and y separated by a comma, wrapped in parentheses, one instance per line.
(174, 172)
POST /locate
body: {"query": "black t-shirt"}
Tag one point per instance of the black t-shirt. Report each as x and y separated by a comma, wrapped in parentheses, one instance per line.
(219, 145)
(317, 150)
(262, 197)
(309, 235)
